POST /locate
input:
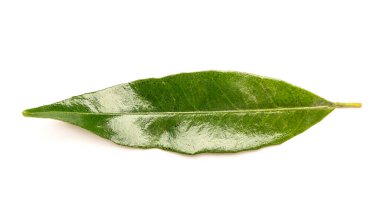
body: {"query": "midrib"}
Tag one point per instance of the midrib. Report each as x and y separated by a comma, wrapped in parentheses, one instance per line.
(184, 112)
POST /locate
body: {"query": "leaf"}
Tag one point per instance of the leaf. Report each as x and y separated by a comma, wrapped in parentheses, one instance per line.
(193, 113)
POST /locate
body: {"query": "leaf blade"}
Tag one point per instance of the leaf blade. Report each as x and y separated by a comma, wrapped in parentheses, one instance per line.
(194, 113)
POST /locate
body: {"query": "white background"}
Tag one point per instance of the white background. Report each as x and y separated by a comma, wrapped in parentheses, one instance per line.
(51, 50)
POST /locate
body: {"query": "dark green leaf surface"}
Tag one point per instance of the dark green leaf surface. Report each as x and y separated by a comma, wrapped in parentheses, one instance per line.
(192, 113)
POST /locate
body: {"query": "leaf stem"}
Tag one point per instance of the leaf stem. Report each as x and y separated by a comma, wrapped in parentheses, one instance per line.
(347, 105)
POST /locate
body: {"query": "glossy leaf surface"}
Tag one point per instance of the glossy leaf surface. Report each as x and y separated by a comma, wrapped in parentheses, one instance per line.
(192, 113)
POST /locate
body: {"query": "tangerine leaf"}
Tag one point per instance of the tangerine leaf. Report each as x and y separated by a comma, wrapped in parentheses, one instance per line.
(191, 113)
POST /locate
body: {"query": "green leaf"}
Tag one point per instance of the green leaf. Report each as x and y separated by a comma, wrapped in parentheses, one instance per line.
(192, 113)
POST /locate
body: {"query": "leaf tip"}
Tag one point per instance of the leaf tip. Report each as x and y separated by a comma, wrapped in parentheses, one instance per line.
(29, 112)
(26, 113)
